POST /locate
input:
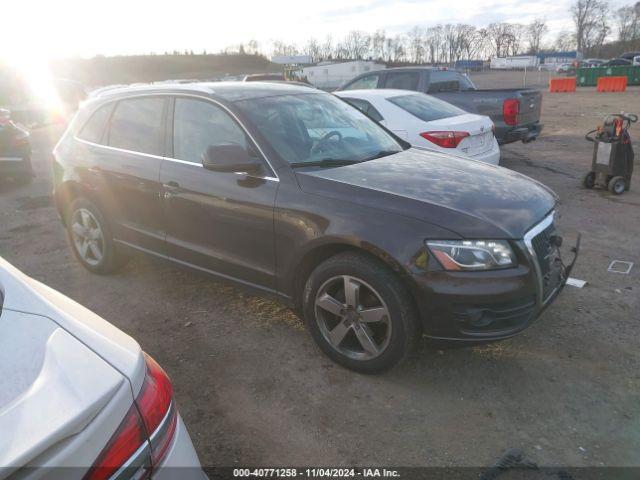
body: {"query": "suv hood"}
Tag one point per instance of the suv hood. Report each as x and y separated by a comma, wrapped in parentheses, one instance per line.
(467, 197)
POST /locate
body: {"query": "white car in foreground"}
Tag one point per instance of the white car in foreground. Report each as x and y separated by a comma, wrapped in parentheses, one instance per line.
(78, 397)
(426, 121)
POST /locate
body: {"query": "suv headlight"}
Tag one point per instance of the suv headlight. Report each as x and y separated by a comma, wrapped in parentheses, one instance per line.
(472, 254)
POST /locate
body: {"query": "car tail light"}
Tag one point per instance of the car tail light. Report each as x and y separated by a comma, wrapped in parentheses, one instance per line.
(510, 111)
(155, 402)
(445, 139)
(143, 438)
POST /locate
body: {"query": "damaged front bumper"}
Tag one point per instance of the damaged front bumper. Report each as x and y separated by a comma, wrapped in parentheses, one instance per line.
(477, 307)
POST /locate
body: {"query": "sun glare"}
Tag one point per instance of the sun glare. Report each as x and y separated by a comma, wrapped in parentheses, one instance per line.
(37, 77)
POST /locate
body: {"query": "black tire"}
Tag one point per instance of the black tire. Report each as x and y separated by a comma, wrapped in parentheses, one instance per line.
(111, 259)
(589, 180)
(397, 334)
(617, 185)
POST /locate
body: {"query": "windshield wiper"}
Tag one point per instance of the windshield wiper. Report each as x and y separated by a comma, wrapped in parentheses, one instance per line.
(382, 153)
(325, 162)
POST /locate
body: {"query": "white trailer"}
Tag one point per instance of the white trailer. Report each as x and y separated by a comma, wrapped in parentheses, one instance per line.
(329, 76)
(498, 63)
(514, 63)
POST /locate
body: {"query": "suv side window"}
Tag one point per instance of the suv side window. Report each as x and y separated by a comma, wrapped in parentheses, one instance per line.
(198, 124)
(448, 81)
(137, 125)
(402, 80)
(93, 129)
(365, 107)
(366, 82)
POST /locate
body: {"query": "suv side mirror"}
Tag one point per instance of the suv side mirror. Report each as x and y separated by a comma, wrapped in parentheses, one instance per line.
(229, 157)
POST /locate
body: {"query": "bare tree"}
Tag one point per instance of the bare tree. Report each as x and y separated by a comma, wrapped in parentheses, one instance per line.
(356, 45)
(433, 41)
(312, 49)
(517, 35)
(284, 49)
(565, 41)
(253, 47)
(500, 35)
(479, 45)
(627, 22)
(415, 44)
(377, 44)
(535, 31)
(326, 49)
(470, 42)
(394, 49)
(454, 36)
(590, 19)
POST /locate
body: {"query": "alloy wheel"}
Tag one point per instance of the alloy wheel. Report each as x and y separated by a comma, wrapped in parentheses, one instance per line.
(87, 236)
(352, 317)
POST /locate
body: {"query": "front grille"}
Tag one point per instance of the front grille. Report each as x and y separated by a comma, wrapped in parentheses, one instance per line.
(548, 260)
(542, 246)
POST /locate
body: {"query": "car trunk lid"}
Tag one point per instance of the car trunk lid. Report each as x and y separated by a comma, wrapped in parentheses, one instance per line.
(53, 386)
(479, 128)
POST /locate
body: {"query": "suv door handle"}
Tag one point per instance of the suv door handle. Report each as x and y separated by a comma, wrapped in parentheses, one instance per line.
(168, 188)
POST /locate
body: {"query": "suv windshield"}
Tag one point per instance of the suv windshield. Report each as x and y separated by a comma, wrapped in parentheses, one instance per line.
(425, 107)
(316, 127)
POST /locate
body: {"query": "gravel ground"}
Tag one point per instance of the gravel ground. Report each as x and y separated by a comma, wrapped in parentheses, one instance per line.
(254, 390)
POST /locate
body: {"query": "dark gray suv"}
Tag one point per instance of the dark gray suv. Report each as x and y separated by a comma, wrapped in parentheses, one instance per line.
(293, 192)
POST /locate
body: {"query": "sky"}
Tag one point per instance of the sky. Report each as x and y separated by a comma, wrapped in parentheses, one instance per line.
(71, 28)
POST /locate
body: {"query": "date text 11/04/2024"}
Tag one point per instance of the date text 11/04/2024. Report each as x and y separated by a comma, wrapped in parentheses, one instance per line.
(316, 472)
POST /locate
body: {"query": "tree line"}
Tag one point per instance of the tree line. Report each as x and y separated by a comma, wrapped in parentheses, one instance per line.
(595, 24)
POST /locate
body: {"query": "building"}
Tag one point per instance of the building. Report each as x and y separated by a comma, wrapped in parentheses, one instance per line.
(328, 76)
(553, 59)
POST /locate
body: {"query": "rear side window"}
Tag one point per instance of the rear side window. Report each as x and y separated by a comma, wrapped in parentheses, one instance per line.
(137, 125)
(366, 108)
(448, 81)
(402, 80)
(198, 124)
(426, 108)
(365, 83)
(93, 130)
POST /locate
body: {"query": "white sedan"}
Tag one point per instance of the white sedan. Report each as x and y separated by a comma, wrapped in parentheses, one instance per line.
(428, 122)
(78, 397)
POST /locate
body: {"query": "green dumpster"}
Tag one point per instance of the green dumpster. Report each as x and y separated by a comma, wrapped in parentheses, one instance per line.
(588, 77)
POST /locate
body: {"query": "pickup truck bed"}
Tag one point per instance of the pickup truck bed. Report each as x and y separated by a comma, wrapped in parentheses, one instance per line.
(490, 102)
(514, 112)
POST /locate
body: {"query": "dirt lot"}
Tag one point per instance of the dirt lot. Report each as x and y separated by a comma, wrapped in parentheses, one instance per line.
(254, 390)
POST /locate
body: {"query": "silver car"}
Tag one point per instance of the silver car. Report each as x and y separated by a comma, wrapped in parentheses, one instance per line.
(78, 397)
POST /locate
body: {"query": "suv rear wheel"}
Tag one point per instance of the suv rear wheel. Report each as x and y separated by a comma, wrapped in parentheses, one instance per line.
(91, 239)
(359, 313)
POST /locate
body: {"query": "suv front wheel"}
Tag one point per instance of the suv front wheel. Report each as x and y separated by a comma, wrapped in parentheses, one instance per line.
(359, 313)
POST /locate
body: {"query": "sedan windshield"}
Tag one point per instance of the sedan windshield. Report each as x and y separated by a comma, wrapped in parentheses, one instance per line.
(426, 107)
(316, 127)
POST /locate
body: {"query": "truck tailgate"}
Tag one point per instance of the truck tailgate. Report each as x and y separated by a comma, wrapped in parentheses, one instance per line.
(530, 107)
